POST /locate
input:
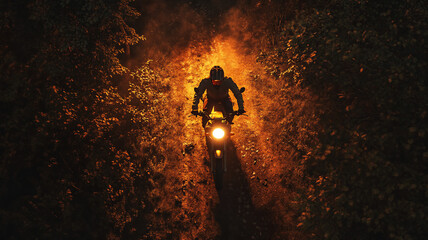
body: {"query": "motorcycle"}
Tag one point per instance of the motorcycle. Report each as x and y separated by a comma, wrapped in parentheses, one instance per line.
(217, 135)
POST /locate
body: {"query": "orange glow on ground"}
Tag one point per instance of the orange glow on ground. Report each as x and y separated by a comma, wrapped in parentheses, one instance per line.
(253, 186)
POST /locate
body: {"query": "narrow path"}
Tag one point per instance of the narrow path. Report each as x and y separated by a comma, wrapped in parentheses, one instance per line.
(235, 213)
(253, 204)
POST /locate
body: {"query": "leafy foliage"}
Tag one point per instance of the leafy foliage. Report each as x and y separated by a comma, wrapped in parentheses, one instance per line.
(366, 62)
(74, 151)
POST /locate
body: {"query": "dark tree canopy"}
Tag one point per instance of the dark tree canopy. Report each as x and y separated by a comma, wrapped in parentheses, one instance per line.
(366, 61)
(72, 161)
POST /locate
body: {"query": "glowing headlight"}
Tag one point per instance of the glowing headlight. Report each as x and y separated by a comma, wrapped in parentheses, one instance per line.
(218, 133)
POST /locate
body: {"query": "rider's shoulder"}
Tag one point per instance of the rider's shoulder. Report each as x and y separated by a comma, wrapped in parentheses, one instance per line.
(205, 81)
(228, 79)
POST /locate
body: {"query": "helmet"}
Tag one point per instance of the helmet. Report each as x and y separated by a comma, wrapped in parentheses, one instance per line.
(216, 75)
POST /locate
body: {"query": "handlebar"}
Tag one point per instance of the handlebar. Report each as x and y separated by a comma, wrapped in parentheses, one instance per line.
(202, 114)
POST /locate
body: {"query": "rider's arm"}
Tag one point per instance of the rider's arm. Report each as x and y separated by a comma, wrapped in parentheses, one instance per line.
(198, 95)
(234, 88)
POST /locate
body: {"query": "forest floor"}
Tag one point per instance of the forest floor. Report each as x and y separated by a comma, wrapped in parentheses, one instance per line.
(256, 202)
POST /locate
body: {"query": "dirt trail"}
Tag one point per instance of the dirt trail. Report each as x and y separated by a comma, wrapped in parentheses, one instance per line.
(253, 204)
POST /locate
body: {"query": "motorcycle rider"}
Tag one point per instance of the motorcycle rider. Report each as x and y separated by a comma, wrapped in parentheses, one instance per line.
(217, 87)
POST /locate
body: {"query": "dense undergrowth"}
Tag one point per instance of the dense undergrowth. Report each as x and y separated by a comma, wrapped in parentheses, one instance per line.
(75, 148)
(365, 63)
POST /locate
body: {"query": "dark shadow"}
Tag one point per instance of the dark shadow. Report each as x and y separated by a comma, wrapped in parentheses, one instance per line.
(235, 213)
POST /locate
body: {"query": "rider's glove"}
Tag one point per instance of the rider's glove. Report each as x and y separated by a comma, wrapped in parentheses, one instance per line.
(195, 112)
(241, 111)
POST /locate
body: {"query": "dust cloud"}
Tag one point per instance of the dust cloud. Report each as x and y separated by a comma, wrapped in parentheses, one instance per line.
(171, 27)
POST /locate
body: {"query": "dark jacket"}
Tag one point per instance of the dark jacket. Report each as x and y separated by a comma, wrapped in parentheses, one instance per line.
(218, 93)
